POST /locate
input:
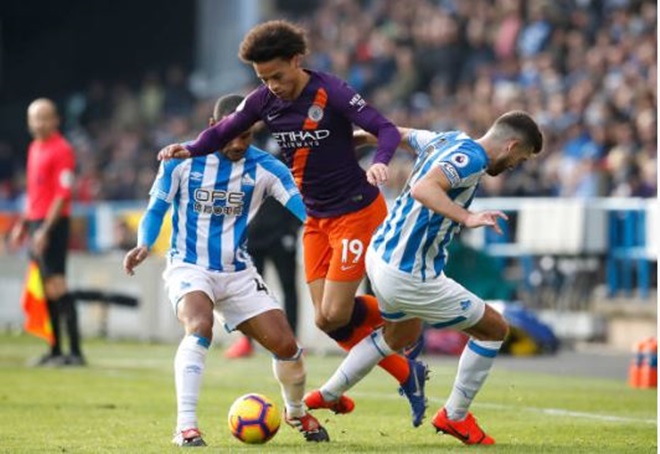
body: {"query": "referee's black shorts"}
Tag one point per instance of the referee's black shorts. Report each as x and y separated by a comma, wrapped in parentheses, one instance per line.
(53, 261)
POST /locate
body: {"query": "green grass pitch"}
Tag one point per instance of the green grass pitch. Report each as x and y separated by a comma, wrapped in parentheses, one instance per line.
(124, 403)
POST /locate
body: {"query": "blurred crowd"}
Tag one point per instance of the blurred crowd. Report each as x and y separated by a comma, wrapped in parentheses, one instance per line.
(585, 69)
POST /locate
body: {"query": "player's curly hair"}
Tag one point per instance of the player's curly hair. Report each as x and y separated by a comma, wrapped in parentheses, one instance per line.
(271, 40)
(522, 124)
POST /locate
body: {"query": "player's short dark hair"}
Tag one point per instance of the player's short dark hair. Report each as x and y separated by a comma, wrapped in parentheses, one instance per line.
(523, 124)
(271, 40)
(226, 105)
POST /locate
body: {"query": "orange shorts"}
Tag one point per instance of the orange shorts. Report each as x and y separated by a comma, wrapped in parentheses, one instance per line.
(334, 248)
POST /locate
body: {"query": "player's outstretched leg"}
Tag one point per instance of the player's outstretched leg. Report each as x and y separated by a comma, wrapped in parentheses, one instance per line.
(473, 368)
(466, 430)
(360, 360)
(365, 319)
(290, 372)
(188, 369)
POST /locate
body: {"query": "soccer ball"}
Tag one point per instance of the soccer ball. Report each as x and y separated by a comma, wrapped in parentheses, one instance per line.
(254, 418)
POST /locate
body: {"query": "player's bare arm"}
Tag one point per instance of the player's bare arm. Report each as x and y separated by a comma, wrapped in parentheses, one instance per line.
(431, 191)
(134, 258)
(378, 173)
(363, 138)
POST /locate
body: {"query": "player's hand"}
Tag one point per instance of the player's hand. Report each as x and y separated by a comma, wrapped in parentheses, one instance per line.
(174, 151)
(17, 235)
(39, 242)
(485, 218)
(134, 257)
(378, 174)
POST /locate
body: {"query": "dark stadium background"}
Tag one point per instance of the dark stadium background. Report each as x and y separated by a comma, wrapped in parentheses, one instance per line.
(50, 48)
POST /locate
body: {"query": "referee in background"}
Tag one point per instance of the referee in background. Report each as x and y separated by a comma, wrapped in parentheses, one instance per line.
(50, 169)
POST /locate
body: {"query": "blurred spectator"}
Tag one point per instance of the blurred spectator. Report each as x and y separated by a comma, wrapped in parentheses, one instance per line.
(585, 69)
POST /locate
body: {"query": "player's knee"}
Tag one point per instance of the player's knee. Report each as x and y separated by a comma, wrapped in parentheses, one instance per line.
(199, 324)
(321, 323)
(54, 288)
(285, 348)
(499, 328)
(398, 341)
(335, 316)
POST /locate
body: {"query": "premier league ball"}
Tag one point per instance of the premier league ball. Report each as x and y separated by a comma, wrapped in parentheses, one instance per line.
(254, 418)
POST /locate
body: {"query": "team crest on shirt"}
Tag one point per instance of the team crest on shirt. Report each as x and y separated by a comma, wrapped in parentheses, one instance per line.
(315, 113)
(247, 180)
(460, 159)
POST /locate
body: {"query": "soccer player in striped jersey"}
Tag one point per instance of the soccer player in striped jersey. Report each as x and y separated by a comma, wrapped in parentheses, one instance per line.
(208, 267)
(311, 115)
(406, 257)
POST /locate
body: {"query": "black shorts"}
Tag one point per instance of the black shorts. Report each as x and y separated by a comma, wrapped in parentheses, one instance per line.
(53, 261)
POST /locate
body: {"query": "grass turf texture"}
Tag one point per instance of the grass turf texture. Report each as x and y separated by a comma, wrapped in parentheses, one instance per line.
(124, 402)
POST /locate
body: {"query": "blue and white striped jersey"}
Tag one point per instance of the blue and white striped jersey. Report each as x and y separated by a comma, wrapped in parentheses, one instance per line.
(213, 200)
(413, 238)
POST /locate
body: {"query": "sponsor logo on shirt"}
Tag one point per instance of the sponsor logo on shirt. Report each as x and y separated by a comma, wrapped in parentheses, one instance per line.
(460, 159)
(450, 172)
(272, 116)
(230, 202)
(196, 176)
(357, 102)
(301, 139)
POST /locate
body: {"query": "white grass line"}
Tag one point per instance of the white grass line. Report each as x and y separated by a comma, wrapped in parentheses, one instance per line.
(570, 413)
(546, 411)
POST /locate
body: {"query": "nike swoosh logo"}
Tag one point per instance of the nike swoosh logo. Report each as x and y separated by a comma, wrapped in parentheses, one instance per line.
(346, 268)
(464, 436)
(271, 117)
(417, 392)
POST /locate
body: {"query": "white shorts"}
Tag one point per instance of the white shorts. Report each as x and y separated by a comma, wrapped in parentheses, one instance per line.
(237, 296)
(441, 302)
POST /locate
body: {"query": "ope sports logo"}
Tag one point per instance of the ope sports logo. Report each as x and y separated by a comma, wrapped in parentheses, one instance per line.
(205, 202)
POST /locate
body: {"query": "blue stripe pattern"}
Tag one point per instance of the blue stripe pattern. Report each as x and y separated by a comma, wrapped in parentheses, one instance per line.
(372, 336)
(413, 238)
(392, 243)
(240, 228)
(216, 221)
(201, 340)
(392, 315)
(483, 351)
(197, 166)
(451, 322)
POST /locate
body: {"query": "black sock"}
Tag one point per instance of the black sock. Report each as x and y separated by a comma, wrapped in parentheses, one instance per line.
(54, 314)
(70, 314)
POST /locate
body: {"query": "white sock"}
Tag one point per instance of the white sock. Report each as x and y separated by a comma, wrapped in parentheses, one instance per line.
(188, 370)
(290, 372)
(473, 368)
(363, 357)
